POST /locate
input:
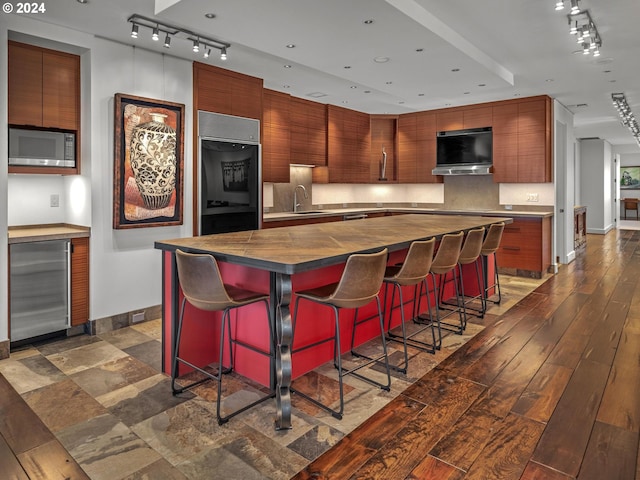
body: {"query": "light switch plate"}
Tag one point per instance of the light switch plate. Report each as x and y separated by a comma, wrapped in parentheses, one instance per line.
(54, 200)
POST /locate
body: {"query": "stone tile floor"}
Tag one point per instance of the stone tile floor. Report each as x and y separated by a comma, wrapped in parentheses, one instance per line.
(106, 400)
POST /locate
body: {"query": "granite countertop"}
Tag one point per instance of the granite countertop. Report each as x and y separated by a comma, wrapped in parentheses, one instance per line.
(305, 247)
(271, 217)
(39, 233)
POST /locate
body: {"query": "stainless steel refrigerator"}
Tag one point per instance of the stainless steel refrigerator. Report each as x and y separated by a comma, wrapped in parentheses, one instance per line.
(229, 173)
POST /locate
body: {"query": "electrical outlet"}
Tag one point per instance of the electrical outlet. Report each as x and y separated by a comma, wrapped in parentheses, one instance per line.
(414, 204)
(508, 207)
(532, 197)
(54, 200)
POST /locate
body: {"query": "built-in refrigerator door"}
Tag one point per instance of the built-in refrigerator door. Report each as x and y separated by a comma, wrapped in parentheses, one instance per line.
(39, 288)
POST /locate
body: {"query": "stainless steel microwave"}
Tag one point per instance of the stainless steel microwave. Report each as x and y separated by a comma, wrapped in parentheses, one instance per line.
(42, 148)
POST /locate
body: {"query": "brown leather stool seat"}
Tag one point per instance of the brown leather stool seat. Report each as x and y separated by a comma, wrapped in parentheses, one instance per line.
(358, 286)
(204, 289)
(490, 247)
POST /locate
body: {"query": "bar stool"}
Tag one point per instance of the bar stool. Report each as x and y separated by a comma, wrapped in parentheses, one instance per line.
(490, 247)
(413, 271)
(470, 254)
(204, 289)
(359, 285)
(444, 263)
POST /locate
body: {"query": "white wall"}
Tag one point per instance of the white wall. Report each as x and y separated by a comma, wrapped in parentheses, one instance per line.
(125, 268)
(596, 169)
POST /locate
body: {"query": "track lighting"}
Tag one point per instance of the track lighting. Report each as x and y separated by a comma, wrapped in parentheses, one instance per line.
(582, 25)
(560, 5)
(198, 41)
(626, 115)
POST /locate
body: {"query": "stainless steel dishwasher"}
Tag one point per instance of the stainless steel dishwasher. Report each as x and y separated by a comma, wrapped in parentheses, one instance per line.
(39, 288)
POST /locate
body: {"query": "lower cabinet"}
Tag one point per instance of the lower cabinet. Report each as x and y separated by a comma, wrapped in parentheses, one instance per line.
(525, 249)
(79, 281)
(302, 221)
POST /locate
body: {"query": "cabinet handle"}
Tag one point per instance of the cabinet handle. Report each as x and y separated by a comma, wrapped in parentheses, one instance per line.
(512, 229)
(515, 249)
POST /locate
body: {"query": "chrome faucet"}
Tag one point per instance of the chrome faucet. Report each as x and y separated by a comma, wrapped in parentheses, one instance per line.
(295, 196)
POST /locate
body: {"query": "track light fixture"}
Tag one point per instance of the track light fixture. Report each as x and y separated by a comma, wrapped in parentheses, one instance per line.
(170, 31)
(560, 5)
(626, 115)
(582, 25)
(575, 7)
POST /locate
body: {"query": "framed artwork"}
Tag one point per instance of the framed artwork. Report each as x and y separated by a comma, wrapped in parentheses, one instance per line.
(630, 178)
(148, 162)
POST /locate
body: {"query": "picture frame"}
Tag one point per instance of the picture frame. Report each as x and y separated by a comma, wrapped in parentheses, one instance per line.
(630, 178)
(148, 162)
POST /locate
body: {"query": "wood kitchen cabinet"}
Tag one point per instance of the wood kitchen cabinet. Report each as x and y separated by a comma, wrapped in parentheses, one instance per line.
(223, 91)
(308, 123)
(44, 87)
(522, 138)
(276, 137)
(525, 249)
(449, 119)
(79, 280)
(348, 145)
(417, 148)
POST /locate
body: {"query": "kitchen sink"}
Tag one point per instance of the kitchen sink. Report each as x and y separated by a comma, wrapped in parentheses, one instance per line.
(309, 211)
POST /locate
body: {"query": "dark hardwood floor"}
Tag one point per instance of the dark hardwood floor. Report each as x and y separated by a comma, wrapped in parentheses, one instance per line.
(549, 390)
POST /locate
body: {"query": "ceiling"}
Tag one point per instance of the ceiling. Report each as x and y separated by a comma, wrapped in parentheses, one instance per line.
(440, 53)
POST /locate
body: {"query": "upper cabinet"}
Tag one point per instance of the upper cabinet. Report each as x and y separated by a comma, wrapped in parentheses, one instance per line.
(417, 148)
(223, 91)
(522, 138)
(308, 124)
(44, 92)
(44, 87)
(348, 145)
(276, 137)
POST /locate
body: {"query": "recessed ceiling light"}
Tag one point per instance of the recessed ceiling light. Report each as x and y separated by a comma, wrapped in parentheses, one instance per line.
(345, 101)
(419, 49)
(421, 94)
(210, 15)
(482, 84)
(287, 66)
(367, 91)
(606, 71)
(381, 59)
(83, 2)
(447, 104)
(612, 81)
(467, 93)
(353, 86)
(455, 69)
(401, 103)
(548, 80)
(347, 66)
(388, 83)
(368, 22)
(286, 86)
(290, 45)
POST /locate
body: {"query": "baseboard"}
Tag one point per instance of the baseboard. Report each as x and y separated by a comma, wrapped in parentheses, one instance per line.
(122, 320)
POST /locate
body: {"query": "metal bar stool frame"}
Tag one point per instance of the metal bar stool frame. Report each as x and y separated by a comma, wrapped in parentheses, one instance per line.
(329, 295)
(228, 298)
(490, 247)
(413, 271)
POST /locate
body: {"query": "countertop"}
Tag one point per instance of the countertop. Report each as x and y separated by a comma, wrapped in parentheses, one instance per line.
(301, 248)
(39, 233)
(279, 216)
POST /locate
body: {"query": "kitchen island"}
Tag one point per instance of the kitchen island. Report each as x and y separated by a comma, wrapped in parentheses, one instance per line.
(280, 261)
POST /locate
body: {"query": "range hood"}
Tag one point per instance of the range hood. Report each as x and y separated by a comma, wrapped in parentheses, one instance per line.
(463, 170)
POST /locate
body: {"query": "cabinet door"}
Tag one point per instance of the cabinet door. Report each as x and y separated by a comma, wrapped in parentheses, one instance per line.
(276, 144)
(25, 85)
(534, 141)
(505, 143)
(447, 120)
(426, 129)
(61, 90)
(478, 117)
(308, 122)
(79, 281)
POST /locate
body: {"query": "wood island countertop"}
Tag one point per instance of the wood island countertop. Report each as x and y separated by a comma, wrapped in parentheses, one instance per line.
(301, 248)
